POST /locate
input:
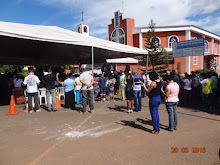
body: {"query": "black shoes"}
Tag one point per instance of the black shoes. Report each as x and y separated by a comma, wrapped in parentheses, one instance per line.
(155, 132)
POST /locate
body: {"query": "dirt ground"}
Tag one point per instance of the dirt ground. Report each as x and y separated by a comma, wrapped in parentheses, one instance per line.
(109, 136)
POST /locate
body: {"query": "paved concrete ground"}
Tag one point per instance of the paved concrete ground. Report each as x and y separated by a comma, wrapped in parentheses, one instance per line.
(106, 137)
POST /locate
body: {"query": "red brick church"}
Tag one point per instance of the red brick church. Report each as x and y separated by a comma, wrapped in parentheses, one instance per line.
(123, 30)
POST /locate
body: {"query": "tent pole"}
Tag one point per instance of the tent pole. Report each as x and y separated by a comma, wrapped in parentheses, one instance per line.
(93, 70)
(92, 62)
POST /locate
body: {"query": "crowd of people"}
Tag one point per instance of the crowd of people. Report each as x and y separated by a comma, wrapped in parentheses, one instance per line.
(190, 91)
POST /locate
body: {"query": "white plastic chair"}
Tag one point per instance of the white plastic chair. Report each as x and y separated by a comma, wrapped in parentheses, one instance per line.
(42, 94)
(61, 93)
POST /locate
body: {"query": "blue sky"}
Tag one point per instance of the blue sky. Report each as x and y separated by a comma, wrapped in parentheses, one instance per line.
(98, 13)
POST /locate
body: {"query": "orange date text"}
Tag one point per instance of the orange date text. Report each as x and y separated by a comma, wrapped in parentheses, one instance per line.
(185, 150)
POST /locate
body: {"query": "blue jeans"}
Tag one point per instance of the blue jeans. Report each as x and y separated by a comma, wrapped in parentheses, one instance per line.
(78, 97)
(137, 100)
(172, 112)
(154, 103)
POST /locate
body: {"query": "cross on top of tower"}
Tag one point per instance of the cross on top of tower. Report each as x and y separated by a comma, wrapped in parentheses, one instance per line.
(82, 15)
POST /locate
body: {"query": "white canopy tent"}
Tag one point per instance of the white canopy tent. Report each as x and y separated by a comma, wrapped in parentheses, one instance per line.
(127, 60)
(36, 44)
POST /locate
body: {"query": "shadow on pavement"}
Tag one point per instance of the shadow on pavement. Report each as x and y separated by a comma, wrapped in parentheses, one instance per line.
(118, 108)
(134, 125)
(198, 116)
(149, 122)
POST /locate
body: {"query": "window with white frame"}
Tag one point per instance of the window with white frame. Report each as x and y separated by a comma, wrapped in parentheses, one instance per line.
(118, 36)
(206, 45)
(195, 59)
(216, 48)
(172, 39)
(158, 41)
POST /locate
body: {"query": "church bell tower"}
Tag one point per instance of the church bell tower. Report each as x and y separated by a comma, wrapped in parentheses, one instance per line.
(83, 28)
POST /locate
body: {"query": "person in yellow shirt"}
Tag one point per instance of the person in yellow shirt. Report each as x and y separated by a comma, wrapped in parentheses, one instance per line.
(207, 90)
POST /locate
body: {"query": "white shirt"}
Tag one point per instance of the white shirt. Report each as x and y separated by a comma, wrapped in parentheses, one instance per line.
(17, 82)
(187, 84)
(148, 81)
(31, 82)
(204, 81)
(78, 84)
(86, 78)
(144, 78)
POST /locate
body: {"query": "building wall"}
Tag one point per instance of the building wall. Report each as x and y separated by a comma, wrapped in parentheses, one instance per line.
(122, 67)
(129, 29)
(136, 40)
(164, 39)
(199, 58)
(209, 43)
(127, 25)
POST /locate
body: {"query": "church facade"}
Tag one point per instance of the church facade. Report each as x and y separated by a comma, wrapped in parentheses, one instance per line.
(123, 30)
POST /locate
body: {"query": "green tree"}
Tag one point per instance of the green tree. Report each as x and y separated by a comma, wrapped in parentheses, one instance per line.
(11, 69)
(158, 56)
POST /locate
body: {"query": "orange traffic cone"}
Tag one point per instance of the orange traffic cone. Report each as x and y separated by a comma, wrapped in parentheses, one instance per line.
(12, 109)
(58, 105)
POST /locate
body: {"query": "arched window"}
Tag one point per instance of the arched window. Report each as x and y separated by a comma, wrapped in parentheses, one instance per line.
(206, 45)
(85, 29)
(172, 39)
(118, 36)
(79, 30)
(158, 41)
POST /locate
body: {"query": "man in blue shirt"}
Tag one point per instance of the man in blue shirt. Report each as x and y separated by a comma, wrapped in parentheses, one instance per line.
(102, 85)
(137, 91)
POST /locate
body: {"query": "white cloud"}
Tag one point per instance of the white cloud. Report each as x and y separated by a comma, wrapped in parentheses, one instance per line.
(99, 31)
(98, 13)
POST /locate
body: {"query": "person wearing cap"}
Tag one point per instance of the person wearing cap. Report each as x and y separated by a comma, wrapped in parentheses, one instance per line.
(49, 82)
(137, 91)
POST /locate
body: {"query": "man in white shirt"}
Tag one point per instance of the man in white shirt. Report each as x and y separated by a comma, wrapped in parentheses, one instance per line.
(31, 81)
(87, 90)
